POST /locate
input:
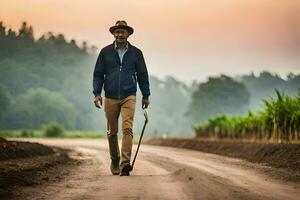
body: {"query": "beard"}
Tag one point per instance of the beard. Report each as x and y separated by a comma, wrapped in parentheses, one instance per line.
(121, 40)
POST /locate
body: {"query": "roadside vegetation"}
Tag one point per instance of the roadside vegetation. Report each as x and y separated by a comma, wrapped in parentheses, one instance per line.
(52, 129)
(278, 121)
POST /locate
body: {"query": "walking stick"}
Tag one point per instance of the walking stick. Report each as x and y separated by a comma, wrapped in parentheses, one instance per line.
(137, 150)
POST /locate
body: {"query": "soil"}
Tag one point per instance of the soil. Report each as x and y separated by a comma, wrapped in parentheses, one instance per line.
(285, 156)
(16, 150)
(28, 164)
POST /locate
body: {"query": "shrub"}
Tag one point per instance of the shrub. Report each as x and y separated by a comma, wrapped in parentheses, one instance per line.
(27, 133)
(53, 129)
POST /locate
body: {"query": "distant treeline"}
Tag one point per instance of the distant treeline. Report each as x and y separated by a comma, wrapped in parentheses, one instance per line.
(50, 79)
(42, 80)
(278, 121)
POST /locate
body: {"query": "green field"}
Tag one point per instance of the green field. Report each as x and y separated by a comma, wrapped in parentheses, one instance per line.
(67, 134)
(40, 133)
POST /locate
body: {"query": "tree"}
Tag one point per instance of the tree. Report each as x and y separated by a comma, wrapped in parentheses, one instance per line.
(2, 31)
(263, 85)
(218, 96)
(4, 100)
(26, 33)
(41, 106)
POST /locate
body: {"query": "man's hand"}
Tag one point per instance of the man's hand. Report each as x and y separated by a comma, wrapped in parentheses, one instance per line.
(98, 99)
(145, 103)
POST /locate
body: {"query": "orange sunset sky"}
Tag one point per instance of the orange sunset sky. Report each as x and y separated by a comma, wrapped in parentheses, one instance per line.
(188, 39)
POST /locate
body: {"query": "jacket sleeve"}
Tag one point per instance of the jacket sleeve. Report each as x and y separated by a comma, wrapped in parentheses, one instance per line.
(98, 78)
(142, 76)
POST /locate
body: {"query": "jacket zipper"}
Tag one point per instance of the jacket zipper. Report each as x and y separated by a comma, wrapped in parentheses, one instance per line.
(120, 82)
(121, 61)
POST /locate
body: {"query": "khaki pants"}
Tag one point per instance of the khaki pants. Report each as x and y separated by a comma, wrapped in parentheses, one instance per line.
(113, 108)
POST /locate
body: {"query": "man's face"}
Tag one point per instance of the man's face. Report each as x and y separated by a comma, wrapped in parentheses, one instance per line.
(121, 35)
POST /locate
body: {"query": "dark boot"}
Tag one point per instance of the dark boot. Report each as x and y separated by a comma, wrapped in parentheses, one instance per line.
(125, 168)
(114, 167)
(114, 154)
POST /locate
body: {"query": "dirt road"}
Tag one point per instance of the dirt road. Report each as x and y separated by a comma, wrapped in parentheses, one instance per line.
(161, 173)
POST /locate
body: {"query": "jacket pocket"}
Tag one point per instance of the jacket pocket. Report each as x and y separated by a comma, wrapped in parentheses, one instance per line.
(128, 82)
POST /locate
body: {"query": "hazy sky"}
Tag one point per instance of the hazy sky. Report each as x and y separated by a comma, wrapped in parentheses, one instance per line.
(189, 39)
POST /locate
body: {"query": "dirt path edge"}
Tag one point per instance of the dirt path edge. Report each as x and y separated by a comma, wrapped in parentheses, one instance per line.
(282, 156)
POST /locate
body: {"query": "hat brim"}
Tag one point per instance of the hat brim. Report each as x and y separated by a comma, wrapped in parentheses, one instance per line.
(128, 28)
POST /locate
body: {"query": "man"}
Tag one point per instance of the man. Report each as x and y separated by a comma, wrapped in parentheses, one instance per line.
(119, 67)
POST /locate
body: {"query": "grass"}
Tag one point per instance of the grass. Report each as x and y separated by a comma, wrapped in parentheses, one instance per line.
(84, 134)
(40, 133)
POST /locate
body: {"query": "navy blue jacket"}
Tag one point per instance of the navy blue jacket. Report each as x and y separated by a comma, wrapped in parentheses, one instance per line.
(120, 79)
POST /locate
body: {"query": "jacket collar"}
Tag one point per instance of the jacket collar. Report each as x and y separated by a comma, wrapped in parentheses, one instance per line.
(128, 43)
(126, 46)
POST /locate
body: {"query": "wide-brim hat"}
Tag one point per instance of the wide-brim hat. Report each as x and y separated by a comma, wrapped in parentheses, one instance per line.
(121, 24)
